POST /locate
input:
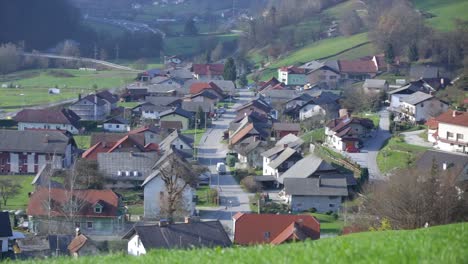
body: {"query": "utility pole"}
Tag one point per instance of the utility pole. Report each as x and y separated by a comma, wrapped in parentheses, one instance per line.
(95, 51)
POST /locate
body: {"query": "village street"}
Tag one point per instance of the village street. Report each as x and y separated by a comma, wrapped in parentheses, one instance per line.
(233, 198)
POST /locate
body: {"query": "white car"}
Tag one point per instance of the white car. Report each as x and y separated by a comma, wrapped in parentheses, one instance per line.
(221, 168)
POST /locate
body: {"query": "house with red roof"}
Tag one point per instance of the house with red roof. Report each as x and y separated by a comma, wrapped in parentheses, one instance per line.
(347, 133)
(199, 87)
(359, 69)
(208, 71)
(97, 212)
(273, 229)
(449, 131)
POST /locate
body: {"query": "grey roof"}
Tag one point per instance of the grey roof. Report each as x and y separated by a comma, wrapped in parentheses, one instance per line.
(33, 141)
(284, 156)
(185, 235)
(177, 111)
(413, 87)
(117, 120)
(163, 88)
(142, 162)
(227, 86)
(274, 150)
(424, 72)
(162, 100)
(417, 98)
(312, 65)
(167, 141)
(5, 225)
(291, 140)
(194, 106)
(316, 186)
(456, 163)
(306, 167)
(181, 73)
(245, 146)
(151, 107)
(374, 83)
(280, 94)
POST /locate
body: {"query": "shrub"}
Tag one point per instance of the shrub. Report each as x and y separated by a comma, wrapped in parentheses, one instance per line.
(274, 208)
(251, 185)
(329, 212)
(313, 210)
(231, 160)
(335, 216)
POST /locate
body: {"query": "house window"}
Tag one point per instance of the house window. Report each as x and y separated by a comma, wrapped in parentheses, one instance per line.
(332, 77)
(266, 235)
(459, 136)
(449, 134)
(151, 136)
(98, 209)
(422, 104)
(117, 126)
(331, 205)
(89, 225)
(181, 146)
(77, 224)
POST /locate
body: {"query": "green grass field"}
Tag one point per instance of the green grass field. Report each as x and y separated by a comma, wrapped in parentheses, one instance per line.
(35, 84)
(21, 200)
(197, 133)
(372, 116)
(396, 154)
(189, 45)
(314, 135)
(205, 197)
(359, 52)
(82, 141)
(445, 12)
(438, 244)
(328, 224)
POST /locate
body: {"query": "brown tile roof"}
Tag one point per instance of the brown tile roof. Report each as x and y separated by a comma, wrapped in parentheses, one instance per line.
(270, 83)
(454, 117)
(357, 66)
(199, 87)
(293, 70)
(171, 125)
(77, 243)
(241, 134)
(208, 69)
(268, 228)
(110, 142)
(63, 116)
(432, 123)
(88, 198)
(286, 127)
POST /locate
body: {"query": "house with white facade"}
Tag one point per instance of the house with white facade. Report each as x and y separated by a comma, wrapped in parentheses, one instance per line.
(95, 106)
(312, 104)
(347, 133)
(374, 86)
(165, 235)
(117, 124)
(155, 189)
(285, 153)
(419, 107)
(49, 119)
(27, 151)
(292, 75)
(451, 133)
(397, 96)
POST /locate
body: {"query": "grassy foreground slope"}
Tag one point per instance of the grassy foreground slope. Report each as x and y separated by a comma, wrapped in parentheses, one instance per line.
(440, 244)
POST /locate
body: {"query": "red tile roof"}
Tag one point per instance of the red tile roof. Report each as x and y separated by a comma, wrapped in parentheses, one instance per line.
(208, 69)
(241, 134)
(293, 70)
(199, 87)
(454, 117)
(110, 143)
(270, 83)
(88, 199)
(357, 66)
(253, 228)
(432, 123)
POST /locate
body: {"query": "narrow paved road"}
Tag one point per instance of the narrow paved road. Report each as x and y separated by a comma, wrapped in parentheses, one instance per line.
(211, 151)
(367, 158)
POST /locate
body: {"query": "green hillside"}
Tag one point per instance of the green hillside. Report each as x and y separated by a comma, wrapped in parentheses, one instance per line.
(444, 11)
(441, 244)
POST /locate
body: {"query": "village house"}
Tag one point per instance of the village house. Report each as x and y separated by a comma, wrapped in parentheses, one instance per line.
(419, 107)
(98, 212)
(178, 141)
(292, 75)
(274, 229)
(5, 232)
(347, 133)
(149, 74)
(398, 95)
(451, 133)
(116, 124)
(198, 87)
(208, 71)
(126, 170)
(63, 119)
(27, 151)
(359, 69)
(324, 77)
(279, 159)
(178, 114)
(375, 86)
(151, 133)
(205, 96)
(188, 235)
(149, 110)
(154, 189)
(271, 84)
(95, 106)
(279, 130)
(313, 183)
(312, 104)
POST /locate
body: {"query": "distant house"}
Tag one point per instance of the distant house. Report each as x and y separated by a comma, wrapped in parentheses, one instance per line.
(5, 231)
(178, 141)
(95, 106)
(274, 229)
(82, 245)
(194, 107)
(228, 86)
(98, 212)
(358, 69)
(397, 96)
(27, 151)
(63, 119)
(292, 75)
(205, 96)
(149, 74)
(151, 133)
(374, 86)
(313, 183)
(279, 130)
(187, 235)
(347, 132)
(324, 76)
(117, 124)
(419, 107)
(149, 110)
(451, 133)
(177, 114)
(197, 87)
(116, 142)
(126, 170)
(154, 189)
(273, 83)
(258, 105)
(279, 159)
(424, 72)
(208, 71)
(312, 104)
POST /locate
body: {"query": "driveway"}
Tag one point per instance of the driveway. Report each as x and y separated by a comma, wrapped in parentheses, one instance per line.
(211, 151)
(367, 158)
(413, 138)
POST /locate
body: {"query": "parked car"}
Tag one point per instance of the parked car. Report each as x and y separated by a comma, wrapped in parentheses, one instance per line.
(221, 168)
(221, 110)
(204, 178)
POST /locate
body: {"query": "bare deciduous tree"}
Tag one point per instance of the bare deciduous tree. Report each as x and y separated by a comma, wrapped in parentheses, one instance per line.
(8, 189)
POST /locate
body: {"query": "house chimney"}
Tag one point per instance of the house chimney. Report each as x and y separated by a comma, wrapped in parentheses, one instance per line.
(188, 220)
(77, 232)
(454, 113)
(444, 166)
(285, 145)
(300, 222)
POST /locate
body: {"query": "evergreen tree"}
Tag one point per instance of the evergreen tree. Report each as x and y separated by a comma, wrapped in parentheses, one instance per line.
(243, 81)
(230, 72)
(413, 54)
(190, 28)
(389, 54)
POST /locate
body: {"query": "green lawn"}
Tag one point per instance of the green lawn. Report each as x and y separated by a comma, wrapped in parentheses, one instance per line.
(197, 133)
(372, 116)
(445, 12)
(21, 200)
(35, 84)
(132, 199)
(438, 244)
(190, 45)
(314, 135)
(206, 197)
(397, 154)
(328, 224)
(82, 141)
(365, 50)
(128, 104)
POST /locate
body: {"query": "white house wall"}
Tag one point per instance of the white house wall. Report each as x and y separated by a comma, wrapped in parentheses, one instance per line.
(23, 126)
(135, 247)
